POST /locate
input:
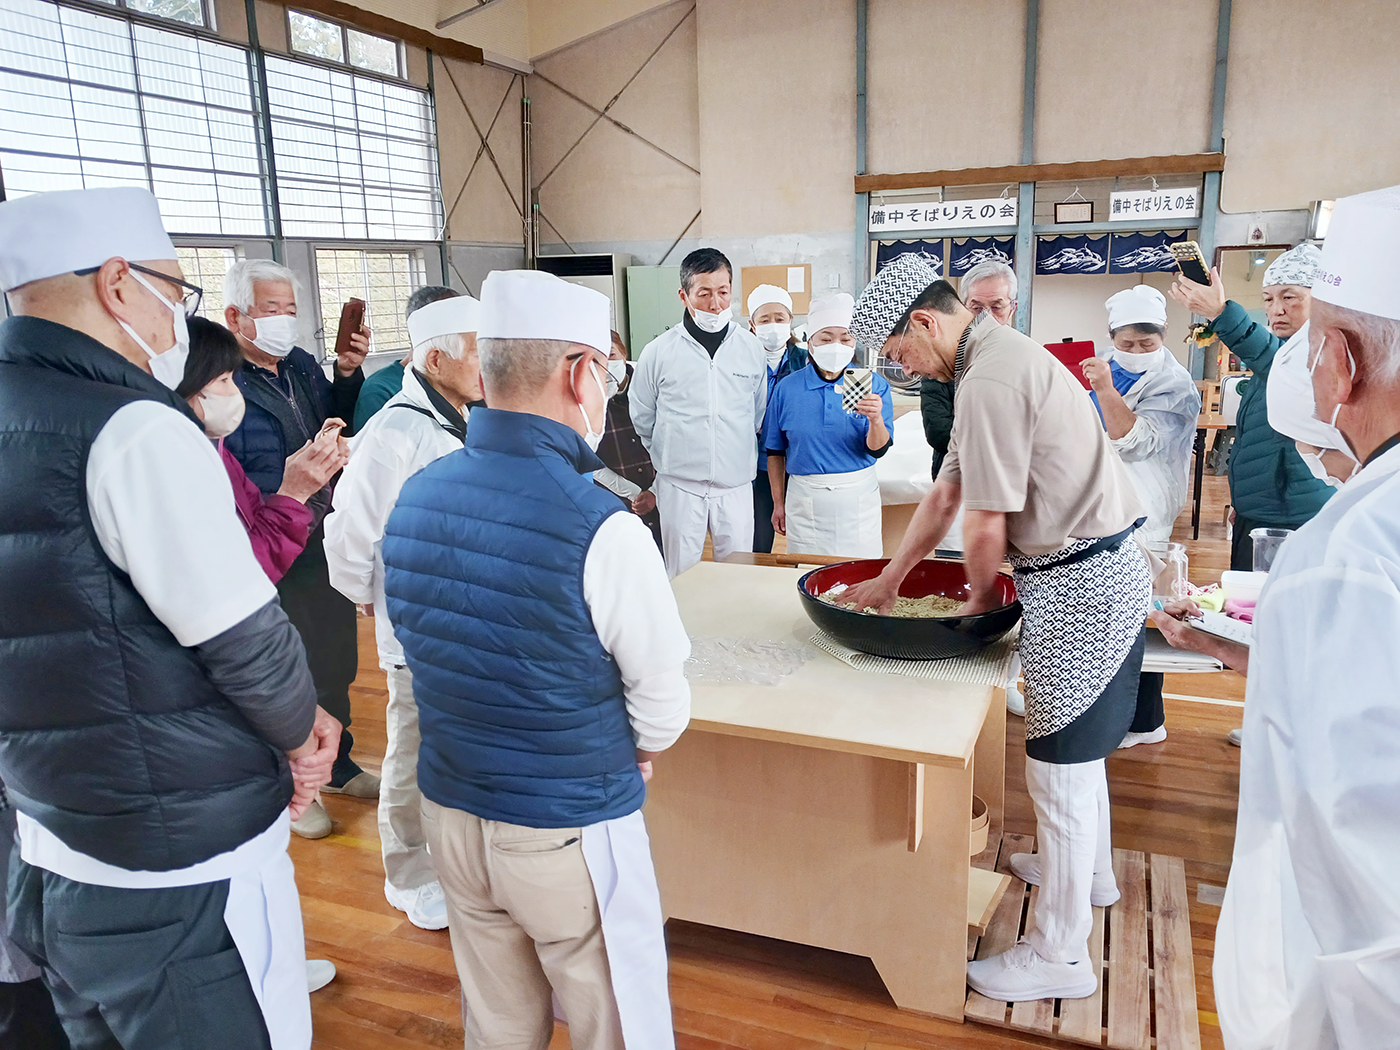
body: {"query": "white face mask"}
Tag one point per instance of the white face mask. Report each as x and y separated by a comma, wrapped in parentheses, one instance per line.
(276, 335)
(222, 413)
(773, 336)
(1318, 469)
(832, 357)
(593, 438)
(169, 365)
(711, 322)
(618, 370)
(1149, 362)
(1291, 407)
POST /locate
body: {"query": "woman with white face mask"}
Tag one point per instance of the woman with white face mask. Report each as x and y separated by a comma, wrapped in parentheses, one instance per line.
(821, 457)
(1149, 406)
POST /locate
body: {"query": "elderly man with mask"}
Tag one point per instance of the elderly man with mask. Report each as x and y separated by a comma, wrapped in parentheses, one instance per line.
(547, 657)
(388, 381)
(1044, 489)
(1270, 486)
(157, 715)
(770, 319)
(1307, 951)
(697, 400)
(288, 402)
(419, 424)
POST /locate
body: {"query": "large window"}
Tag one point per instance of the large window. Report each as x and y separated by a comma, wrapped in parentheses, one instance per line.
(355, 156)
(207, 267)
(334, 42)
(191, 11)
(91, 101)
(383, 279)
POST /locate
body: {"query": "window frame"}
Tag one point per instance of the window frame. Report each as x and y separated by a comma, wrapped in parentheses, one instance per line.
(206, 9)
(319, 244)
(345, 30)
(237, 245)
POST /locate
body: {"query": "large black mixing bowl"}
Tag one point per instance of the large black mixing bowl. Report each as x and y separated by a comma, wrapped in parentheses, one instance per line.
(925, 638)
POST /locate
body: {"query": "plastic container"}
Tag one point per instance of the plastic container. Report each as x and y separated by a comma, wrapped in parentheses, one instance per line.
(1171, 581)
(1266, 545)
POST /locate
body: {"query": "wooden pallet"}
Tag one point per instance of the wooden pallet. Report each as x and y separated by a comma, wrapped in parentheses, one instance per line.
(1141, 948)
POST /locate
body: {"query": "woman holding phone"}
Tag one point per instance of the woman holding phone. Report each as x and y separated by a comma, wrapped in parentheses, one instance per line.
(821, 457)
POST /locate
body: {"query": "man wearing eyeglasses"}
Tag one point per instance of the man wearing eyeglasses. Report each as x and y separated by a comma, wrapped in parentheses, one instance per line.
(547, 657)
(158, 721)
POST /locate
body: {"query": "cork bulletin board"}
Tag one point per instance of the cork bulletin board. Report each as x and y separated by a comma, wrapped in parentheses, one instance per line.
(797, 279)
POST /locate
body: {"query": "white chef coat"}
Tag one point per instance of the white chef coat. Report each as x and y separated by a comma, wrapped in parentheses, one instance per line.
(163, 510)
(395, 444)
(698, 416)
(1307, 951)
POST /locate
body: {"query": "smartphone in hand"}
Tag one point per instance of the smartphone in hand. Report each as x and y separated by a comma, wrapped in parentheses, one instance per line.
(1191, 261)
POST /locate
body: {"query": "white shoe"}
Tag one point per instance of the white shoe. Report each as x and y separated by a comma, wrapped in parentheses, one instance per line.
(1235, 736)
(1015, 702)
(1021, 975)
(319, 973)
(315, 823)
(426, 907)
(1102, 894)
(1155, 737)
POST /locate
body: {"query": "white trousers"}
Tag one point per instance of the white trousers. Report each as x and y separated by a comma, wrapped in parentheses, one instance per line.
(407, 865)
(689, 512)
(1072, 830)
(835, 514)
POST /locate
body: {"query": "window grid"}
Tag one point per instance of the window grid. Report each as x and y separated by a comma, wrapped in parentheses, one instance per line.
(207, 266)
(337, 42)
(191, 12)
(383, 278)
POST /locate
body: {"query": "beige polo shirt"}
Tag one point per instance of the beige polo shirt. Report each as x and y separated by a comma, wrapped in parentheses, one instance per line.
(1027, 441)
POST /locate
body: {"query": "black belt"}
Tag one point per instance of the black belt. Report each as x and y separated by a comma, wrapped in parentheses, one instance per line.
(1107, 543)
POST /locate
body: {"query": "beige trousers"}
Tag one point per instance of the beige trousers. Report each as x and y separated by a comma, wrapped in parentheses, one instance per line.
(407, 865)
(524, 921)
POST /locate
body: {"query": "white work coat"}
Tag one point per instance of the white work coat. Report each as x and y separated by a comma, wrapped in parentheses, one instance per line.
(698, 416)
(1307, 952)
(395, 444)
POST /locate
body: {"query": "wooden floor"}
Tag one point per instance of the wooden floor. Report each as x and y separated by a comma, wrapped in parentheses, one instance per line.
(397, 988)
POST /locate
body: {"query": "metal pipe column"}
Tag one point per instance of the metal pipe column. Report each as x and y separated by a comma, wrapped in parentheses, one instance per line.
(1025, 200)
(862, 259)
(529, 196)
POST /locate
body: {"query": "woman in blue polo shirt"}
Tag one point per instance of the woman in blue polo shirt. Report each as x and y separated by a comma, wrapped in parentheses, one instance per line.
(821, 458)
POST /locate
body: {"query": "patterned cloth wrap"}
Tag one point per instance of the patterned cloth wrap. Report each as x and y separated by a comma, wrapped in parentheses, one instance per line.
(1078, 624)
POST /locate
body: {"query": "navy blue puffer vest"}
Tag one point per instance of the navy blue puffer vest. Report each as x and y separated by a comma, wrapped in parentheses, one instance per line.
(111, 734)
(520, 706)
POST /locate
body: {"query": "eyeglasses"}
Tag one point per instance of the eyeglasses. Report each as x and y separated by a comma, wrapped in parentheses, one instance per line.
(192, 298)
(610, 383)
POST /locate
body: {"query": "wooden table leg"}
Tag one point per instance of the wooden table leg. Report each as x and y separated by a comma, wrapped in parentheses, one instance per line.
(1200, 473)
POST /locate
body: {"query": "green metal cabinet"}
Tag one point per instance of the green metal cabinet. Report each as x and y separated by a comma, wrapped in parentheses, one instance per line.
(652, 304)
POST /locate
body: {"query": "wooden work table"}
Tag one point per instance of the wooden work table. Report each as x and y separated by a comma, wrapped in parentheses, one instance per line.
(832, 808)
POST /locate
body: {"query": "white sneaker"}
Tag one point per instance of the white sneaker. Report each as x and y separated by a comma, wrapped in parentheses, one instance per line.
(1235, 736)
(1102, 894)
(319, 973)
(1155, 737)
(1015, 702)
(1021, 975)
(426, 907)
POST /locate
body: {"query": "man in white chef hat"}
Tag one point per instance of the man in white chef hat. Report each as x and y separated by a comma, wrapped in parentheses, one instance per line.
(156, 711)
(1307, 952)
(423, 421)
(547, 657)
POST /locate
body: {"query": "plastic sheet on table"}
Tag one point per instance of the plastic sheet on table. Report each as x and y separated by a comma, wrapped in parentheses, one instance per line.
(736, 660)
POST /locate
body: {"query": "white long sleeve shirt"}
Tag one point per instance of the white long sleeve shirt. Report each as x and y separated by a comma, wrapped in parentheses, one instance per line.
(395, 444)
(634, 612)
(698, 416)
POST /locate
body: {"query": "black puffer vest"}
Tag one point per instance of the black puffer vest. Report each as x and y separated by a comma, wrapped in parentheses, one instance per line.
(111, 734)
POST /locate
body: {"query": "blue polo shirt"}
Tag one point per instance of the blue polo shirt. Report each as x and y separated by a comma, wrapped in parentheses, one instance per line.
(805, 423)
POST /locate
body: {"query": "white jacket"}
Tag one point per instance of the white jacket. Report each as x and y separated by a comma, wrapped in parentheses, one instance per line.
(699, 417)
(395, 444)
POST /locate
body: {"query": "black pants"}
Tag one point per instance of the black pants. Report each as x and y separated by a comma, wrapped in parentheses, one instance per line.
(136, 969)
(1241, 546)
(763, 534)
(325, 619)
(27, 1018)
(1151, 712)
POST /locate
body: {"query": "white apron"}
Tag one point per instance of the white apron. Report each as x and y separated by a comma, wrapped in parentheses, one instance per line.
(263, 916)
(618, 854)
(835, 514)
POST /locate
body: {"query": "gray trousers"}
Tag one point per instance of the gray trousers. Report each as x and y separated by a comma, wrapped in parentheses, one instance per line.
(136, 969)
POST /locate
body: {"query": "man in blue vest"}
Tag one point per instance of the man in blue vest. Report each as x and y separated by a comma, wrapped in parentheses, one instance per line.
(157, 714)
(547, 657)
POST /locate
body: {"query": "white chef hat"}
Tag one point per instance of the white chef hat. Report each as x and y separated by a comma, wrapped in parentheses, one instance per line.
(832, 312)
(452, 316)
(1140, 304)
(888, 297)
(1360, 264)
(768, 293)
(1295, 266)
(532, 304)
(46, 234)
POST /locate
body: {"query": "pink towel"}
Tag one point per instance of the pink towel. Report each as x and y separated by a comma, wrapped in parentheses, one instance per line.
(1240, 609)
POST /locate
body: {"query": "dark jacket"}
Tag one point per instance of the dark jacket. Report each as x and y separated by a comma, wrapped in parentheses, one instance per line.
(128, 746)
(521, 708)
(1269, 482)
(936, 406)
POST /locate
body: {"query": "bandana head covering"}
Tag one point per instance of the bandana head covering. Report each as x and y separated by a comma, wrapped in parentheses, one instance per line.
(1359, 268)
(1295, 266)
(888, 296)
